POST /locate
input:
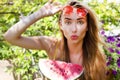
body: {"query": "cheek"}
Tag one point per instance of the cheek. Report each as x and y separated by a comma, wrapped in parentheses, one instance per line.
(82, 30)
(66, 31)
(65, 28)
(82, 27)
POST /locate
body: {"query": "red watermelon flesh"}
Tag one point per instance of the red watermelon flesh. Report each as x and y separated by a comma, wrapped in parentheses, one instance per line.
(59, 70)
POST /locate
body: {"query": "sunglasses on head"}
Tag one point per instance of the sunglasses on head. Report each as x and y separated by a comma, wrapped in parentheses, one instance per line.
(80, 11)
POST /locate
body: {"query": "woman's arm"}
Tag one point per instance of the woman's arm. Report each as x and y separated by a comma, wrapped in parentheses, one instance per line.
(13, 35)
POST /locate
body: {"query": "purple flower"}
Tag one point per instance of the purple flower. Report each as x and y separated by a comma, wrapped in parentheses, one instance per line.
(102, 32)
(118, 51)
(114, 72)
(118, 38)
(110, 39)
(118, 45)
(110, 58)
(118, 62)
(108, 63)
(111, 50)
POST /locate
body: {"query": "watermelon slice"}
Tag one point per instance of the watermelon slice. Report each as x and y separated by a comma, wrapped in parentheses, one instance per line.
(59, 70)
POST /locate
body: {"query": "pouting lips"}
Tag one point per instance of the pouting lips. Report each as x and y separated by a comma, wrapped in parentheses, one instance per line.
(74, 37)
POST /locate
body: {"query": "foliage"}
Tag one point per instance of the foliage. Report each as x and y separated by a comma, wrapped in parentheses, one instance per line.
(25, 61)
(109, 16)
(108, 13)
(113, 54)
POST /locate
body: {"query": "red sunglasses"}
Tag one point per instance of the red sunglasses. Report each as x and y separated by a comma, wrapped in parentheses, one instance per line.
(80, 11)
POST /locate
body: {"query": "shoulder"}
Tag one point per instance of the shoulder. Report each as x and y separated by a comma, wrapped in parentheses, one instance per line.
(44, 42)
(46, 39)
(54, 47)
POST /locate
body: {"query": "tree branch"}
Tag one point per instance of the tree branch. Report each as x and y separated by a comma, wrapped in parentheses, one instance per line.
(7, 3)
(10, 13)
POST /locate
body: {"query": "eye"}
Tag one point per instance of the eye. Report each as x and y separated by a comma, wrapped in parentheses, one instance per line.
(68, 22)
(80, 22)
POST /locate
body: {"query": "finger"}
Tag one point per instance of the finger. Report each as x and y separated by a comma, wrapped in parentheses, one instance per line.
(57, 3)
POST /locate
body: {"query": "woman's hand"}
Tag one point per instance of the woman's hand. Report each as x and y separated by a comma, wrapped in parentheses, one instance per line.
(51, 7)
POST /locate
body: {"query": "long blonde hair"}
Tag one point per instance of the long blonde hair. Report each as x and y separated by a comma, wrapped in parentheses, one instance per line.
(93, 60)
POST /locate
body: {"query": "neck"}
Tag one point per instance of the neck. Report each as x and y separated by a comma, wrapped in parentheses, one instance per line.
(75, 48)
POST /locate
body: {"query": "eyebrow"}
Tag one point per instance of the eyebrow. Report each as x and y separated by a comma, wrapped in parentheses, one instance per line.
(80, 18)
(77, 18)
(68, 18)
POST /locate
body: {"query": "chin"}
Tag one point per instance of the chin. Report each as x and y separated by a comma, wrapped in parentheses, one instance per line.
(74, 41)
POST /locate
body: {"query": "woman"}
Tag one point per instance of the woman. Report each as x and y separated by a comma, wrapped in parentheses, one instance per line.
(80, 39)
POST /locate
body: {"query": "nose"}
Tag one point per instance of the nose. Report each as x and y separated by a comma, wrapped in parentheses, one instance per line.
(74, 29)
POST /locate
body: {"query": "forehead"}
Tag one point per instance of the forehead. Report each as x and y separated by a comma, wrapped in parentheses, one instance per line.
(73, 16)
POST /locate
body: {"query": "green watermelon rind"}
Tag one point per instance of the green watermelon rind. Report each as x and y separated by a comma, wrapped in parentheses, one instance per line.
(46, 73)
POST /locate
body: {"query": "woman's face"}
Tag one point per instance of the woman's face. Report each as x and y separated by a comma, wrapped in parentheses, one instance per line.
(74, 24)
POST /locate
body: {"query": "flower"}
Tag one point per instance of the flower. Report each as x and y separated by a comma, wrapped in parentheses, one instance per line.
(118, 44)
(118, 62)
(118, 51)
(110, 58)
(118, 38)
(110, 39)
(102, 32)
(108, 63)
(114, 72)
(113, 43)
(111, 50)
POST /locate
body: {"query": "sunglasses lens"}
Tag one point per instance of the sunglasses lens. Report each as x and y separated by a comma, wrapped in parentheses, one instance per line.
(68, 9)
(82, 11)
